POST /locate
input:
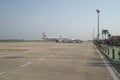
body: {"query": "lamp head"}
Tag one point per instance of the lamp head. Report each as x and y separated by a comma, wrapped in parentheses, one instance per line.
(98, 11)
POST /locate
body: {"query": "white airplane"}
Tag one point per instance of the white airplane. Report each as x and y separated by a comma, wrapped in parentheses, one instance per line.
(57, 40)
(49, 39)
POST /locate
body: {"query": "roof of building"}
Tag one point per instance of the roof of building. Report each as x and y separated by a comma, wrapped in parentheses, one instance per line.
(115, 38)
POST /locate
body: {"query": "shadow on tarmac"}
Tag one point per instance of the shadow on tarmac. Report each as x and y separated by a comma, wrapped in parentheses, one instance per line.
(96, 62)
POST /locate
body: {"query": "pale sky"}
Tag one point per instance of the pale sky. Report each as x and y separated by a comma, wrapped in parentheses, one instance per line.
(27, 19)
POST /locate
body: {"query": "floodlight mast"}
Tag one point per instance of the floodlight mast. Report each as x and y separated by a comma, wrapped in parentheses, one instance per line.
(98, 11)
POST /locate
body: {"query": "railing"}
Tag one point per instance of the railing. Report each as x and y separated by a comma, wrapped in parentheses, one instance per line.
(112, 52)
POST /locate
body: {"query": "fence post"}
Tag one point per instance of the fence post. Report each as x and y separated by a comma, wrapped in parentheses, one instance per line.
(113, 53)
(105, 49)
(108, 50)
(119, 54)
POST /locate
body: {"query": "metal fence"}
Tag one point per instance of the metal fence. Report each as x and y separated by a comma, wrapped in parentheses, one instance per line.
(112, 52)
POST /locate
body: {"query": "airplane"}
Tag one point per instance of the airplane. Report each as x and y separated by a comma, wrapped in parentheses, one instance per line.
(50, 39)
(77, 41)
(60, 39)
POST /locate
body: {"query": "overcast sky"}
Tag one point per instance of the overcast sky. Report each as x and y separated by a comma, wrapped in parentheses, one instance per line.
(27, 19)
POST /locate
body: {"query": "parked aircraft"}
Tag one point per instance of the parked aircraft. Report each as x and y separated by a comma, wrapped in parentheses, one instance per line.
(50, 39)
(60, 39)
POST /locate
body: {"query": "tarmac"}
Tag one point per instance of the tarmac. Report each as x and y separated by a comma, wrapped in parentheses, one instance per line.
(53, 61)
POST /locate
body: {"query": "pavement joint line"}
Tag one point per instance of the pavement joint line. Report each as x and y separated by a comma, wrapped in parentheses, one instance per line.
(107, 63)
(57, 53)
(40, 59)
(51, 56)
(3, 72)
(23, 65)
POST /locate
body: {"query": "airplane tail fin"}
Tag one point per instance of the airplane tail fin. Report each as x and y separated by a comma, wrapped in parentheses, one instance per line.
(44, 36)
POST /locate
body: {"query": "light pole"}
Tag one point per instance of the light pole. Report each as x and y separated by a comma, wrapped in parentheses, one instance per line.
(93, 34)
(98, 11)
